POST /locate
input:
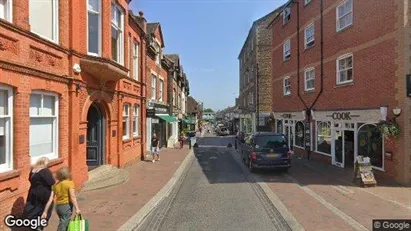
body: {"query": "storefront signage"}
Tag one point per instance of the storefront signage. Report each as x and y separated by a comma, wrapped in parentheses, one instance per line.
(287, 116)
(342, 116)
(150, 112)
(160, 109)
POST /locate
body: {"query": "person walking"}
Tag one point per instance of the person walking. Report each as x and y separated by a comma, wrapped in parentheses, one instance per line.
(65, 196)
(40, 192)
(181, 139)
(155, 148)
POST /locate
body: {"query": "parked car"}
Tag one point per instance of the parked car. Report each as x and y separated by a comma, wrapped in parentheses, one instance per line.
(266, 150)
(223, 131)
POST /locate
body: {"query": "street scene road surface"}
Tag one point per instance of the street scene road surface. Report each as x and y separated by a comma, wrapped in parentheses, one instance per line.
(215, 194)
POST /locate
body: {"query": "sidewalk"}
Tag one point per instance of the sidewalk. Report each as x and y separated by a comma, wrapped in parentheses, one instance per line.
(108, 209)
(322, 197)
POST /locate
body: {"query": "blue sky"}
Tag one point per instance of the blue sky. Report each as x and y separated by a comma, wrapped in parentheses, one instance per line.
(208, 36)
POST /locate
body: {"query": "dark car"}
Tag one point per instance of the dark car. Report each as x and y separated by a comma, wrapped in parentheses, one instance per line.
(266, 150)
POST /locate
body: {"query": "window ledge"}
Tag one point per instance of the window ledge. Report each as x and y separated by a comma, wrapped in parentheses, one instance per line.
(136, 137)
(286, 60)
(126, 140)
(9, 175)
(289, 95)
(345, 28)
(56, 161)
(308, 48)
(309, 91)
(344, 84)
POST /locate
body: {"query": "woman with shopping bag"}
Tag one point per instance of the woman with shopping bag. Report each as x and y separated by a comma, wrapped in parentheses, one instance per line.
(78, 224)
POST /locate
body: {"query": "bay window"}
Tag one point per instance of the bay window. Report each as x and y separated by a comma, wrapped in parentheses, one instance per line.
(43, 17)
(126, 121)
(6, 128)
(117, 30)
(94, 27)
(43, 125)
(135, 120)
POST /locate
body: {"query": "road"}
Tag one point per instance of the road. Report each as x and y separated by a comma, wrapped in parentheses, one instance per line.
(215, 193)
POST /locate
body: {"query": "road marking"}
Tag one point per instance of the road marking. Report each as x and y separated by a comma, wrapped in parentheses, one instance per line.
(349, 220)
(343, 190)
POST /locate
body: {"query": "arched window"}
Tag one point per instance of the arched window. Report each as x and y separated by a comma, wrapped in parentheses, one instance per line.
(299, 134)
(370, 144)
(323, 141)
(279, 126)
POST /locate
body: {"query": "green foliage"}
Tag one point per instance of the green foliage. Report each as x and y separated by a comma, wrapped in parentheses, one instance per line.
(208, 110)
(389, 130)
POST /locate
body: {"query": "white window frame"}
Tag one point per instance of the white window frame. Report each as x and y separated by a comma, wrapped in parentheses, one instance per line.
(136, 110)
(338, 17)
(286, 13)
(316, 136)
(338, 68)
(153, 87)
(53, 155)
(99, 29)
(136, 61)
(287, 52)
(161, 89)
(8, 130)
(120, 29)
(307, 39)
(56, 20)
(309, 70)
(285, 86)
(8, 11)
(174, 97)
(126, 118)
(306, 2)
(158, 53)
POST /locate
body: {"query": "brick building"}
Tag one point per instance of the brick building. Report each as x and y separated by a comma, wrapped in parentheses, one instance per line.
(339, 68)
(72, 88)
(255, 76)
(194, 109)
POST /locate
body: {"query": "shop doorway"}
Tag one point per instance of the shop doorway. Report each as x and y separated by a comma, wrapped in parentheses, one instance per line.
(159, 127)
(343, 135)
(95, 137)
(289, 132)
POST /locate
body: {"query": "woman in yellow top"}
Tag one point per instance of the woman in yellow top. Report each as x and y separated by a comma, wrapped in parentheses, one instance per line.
(65, 197)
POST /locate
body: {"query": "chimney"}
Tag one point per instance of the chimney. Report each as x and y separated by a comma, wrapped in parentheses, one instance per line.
(142, 20)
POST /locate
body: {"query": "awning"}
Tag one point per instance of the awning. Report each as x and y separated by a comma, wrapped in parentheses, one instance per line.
(188, 120)
(167, 118)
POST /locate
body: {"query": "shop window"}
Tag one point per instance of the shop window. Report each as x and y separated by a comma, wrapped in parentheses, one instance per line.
(126, 121)
(6, 130)
(94, 25)
(117, 30)
(279, 126)
(299, 134)
(135, 120)
(309, 36)
(43, 125)
(287, 50)
(6, 10)
(309, 76)
(43, 17)
(344, 15)
(370, 144)
(345, 69)
(323, 141)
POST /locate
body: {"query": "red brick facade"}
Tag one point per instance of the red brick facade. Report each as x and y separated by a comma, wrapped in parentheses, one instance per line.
(371, 40)
(30, 63)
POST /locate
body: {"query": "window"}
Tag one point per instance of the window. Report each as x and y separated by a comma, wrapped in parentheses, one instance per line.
(153, 87)
(117, 34)
(6, 10)
(271, 141)
(323, 141)
(345, 69)
(43, 125)
(287, 86)
(309, 36)
(286, 15)
(344, 15)
(306, 2)
(370, 144)
(135, 120)
(135, 61)
(174, 97)
(6, 130)
(126, 121)
(251, 99)
(94, 25)
(43, 17)
(287, 50)
(158, 53)
(299, 134)
(161, 86)
(309, 76)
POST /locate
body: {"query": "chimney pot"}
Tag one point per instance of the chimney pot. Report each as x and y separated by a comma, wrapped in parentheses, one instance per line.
(141, 13)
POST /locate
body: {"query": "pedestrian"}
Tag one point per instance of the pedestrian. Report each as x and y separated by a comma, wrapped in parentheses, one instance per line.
(40, 192)
(155, 148)
(65, 196)
(181, 139)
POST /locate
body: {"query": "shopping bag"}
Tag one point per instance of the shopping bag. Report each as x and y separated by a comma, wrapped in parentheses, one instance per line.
(78, 224)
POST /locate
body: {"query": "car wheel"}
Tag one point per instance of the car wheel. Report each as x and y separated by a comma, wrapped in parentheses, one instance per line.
(250, 166)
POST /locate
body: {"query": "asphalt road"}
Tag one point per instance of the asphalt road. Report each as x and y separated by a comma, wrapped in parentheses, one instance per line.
(215, 194)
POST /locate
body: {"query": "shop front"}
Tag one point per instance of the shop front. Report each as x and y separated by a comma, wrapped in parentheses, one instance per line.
(247, 123)
(157, 120)
(292, 125)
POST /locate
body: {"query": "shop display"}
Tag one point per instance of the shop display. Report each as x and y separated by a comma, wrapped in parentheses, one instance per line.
(363, 171)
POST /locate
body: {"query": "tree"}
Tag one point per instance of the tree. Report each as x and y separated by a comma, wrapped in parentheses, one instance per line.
(208, 110)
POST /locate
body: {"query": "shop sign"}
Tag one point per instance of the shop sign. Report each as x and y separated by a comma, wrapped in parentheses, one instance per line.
(161, 110)
(155, 121)
(342, 116)
(150, 112)
(287, 116)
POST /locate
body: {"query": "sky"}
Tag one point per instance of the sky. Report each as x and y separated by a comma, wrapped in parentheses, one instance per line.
(208, 35)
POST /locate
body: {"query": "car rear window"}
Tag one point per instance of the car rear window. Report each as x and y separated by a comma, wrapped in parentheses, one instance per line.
(271, 141)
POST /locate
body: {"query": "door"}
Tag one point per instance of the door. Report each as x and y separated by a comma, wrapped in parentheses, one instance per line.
(339, 148)
(94, 156)
(290, 136)
(343, 143)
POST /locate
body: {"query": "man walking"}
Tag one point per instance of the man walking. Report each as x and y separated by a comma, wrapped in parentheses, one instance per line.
(155, 149)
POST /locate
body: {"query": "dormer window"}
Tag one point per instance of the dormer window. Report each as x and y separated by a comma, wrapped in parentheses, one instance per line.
(286, 15)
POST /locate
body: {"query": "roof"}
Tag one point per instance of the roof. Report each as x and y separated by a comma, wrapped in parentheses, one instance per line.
(151, 29)
(192, 105)
(255, 24)
(137, 20)
(174, 58)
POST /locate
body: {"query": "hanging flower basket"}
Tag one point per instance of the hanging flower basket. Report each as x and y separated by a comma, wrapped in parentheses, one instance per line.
(389, 130)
